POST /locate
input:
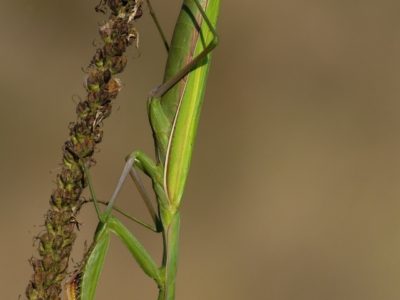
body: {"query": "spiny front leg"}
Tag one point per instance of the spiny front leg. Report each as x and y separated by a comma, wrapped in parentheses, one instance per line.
(161, 126)
(156, 174)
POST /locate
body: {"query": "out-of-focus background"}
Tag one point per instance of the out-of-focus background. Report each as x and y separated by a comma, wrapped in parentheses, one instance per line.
(294, 188)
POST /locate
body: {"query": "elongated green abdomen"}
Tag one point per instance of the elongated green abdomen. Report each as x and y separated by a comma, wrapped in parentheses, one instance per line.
(184, 101)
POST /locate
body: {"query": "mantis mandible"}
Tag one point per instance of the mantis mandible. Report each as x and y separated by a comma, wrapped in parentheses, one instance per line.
(174, 109)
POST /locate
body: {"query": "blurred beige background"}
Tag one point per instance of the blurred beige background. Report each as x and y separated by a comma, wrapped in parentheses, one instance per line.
(294, 188)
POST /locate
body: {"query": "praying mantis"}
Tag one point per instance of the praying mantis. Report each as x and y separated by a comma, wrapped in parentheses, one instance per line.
(174, 110)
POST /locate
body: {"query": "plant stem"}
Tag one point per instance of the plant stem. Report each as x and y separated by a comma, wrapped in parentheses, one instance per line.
(170, 258)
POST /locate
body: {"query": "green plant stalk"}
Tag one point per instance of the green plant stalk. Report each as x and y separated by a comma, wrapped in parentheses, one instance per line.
(170, 258)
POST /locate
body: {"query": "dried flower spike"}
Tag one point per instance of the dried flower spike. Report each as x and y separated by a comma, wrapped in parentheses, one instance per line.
(55, 244)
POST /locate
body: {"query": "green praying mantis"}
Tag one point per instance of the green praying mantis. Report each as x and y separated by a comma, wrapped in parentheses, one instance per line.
(174, 109)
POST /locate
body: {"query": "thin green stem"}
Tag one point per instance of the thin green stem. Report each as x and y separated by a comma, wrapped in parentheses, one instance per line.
(170, 258)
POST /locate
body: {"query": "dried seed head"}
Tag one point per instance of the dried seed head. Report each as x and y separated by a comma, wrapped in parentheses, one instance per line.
(102, 87)
(117, 64)
(113, 87)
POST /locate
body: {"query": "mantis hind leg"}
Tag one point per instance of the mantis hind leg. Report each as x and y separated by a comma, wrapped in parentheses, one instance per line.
(158, 25)
(163, 88)
(92, 192)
